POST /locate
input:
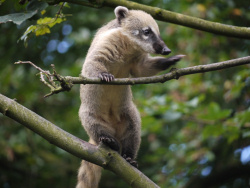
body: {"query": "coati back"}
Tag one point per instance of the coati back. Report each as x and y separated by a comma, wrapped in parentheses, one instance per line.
(120, 49)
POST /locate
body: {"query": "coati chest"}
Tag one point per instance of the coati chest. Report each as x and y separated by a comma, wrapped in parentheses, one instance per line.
(117, 55)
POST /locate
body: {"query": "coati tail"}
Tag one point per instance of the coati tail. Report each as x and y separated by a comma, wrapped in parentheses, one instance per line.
(89, 174)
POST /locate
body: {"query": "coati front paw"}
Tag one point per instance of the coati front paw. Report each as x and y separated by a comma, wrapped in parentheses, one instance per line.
(175, 58)
(165, 63)
(111, 142)
(130, 161)
(105, 76)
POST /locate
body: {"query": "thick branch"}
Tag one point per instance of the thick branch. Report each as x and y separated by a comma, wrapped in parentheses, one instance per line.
(168, 16)
(101, 156)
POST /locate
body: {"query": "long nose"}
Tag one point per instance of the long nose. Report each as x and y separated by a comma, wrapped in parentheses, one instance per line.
(165, 50)
(160, 47)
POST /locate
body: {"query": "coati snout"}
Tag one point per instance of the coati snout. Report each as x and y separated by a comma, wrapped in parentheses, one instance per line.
(161, 48)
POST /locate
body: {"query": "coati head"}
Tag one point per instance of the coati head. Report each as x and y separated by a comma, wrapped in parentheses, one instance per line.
(142, 29)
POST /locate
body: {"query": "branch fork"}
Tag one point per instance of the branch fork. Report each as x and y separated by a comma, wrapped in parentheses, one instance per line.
(50, 79)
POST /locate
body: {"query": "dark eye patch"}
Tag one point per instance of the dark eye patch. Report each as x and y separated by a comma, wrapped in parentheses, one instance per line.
(146, 31)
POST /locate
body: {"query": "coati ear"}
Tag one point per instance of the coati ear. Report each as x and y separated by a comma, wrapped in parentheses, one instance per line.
(120, 12)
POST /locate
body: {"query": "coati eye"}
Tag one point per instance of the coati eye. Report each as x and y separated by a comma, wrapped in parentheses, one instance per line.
(146, 32)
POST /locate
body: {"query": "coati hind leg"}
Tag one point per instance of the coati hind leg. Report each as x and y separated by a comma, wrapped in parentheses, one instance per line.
(131, 142)
(129, 151)
(99, 133)
(109, 141)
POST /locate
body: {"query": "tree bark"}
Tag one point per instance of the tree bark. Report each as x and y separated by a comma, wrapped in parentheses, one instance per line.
(101, 155)
(168, 16)
(175, 74)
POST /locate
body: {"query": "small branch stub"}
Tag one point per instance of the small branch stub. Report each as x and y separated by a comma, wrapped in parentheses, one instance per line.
(174, 71)
(49, 79)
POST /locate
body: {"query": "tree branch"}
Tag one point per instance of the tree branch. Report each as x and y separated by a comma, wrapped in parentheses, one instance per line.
(173, 74)
(66, 83)
(101, 155)
(168, 16)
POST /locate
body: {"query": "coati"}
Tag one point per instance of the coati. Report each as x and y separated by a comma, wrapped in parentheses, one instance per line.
(120, 49)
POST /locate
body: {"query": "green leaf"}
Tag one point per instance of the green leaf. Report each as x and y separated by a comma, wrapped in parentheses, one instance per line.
(37, 6)
(58, 20)
(66, 5)
(49, 21)
(1, 2)
(150, 125)
(195, 101)
(214, 112)
(231, 133)
(243, 118)
(212, 131)
(28, 31)
(171, 116)
(246, 134)
(42, 30)
(17, 18)
(26, 34)
(45, 20)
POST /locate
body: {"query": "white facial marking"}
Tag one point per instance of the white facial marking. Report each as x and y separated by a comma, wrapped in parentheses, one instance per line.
(154, 31)
(144, 37)
(135, 32)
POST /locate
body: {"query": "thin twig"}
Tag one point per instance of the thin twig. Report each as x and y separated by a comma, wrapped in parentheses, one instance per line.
(45, 82)
(59, 11)
(64, 85)
(38, 68)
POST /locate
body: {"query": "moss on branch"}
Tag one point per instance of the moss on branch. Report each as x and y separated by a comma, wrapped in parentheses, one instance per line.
(101, 155)
(168, 16)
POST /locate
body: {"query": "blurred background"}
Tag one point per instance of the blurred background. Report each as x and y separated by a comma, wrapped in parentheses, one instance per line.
(195, 130)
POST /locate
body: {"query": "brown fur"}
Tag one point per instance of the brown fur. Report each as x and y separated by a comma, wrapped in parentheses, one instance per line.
(107, 112)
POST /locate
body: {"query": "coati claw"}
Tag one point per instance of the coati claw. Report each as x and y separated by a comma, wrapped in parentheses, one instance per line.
(130, 161)
(175, 58)
(134, 163)
(165, 63)
(111, 142)
(107, 77)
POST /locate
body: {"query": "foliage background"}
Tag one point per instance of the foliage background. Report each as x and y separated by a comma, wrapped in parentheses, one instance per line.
(192, 128)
